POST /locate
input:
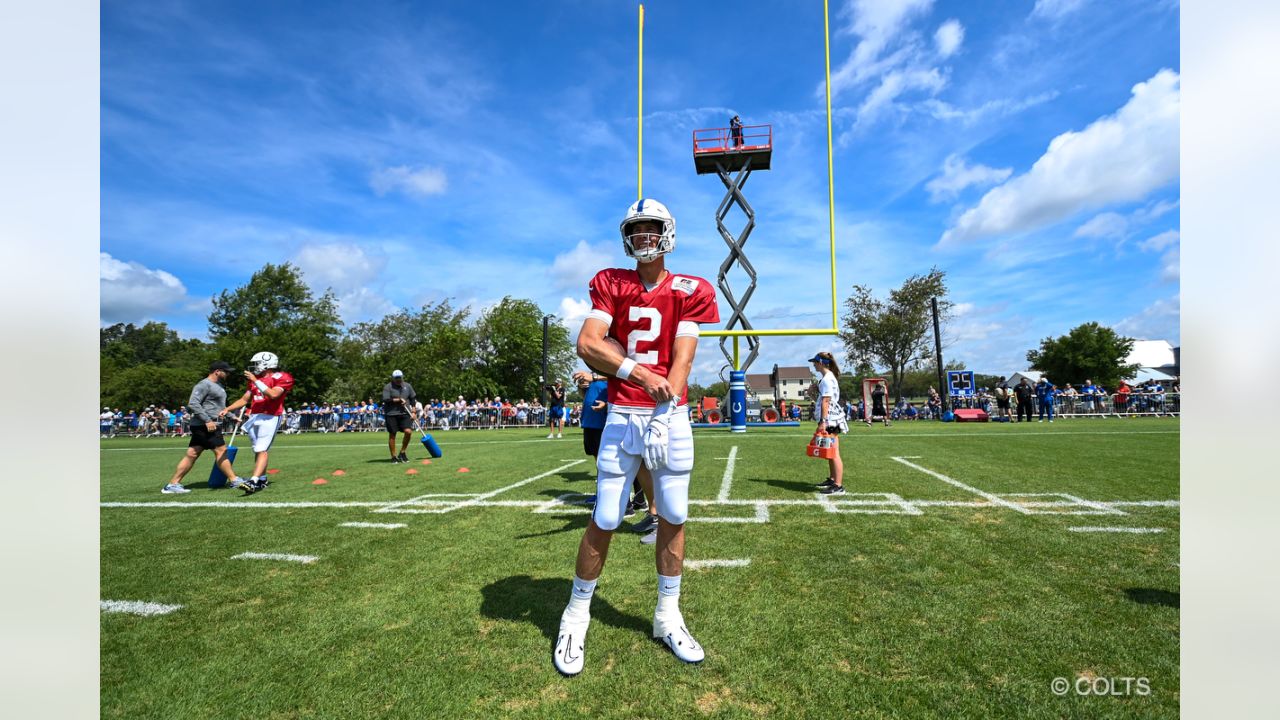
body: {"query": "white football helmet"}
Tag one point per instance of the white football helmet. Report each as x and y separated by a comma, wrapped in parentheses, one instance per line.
(263, 361)
(647, 209)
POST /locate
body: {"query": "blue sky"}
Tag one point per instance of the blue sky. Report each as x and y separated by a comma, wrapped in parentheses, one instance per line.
(410, 152)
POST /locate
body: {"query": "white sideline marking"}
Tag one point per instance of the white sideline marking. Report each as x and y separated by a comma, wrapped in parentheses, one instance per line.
(385, 526)
(1116, 529)
(700, 564)
(727, 480)
(1071, 501)
(761, 516)
(962, 486)
(705, 435)
(137, 607)
(479, 498)
(275, 556)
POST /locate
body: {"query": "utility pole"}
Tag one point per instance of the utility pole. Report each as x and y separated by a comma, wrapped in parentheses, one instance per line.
(545, 320)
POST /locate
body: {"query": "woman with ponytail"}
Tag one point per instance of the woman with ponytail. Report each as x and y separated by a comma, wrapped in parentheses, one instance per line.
(830, 416)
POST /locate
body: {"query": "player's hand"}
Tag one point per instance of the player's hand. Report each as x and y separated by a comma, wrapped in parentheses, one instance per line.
(657, 387)
(211, 426)
(222, 412)
(248, 375)
(656, 437)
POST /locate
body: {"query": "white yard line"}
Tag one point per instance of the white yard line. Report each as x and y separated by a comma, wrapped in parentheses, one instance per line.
(485, 496)
(245, 504)
(384, 526)
(761, 516)
(700, 564)
(305, 559)
(968, 488)
(727, 480)
(137, 607)
(1116, 529)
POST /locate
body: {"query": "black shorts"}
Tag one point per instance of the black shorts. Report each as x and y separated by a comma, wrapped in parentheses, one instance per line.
(1002, 403)
(591, 440)
(833, 430)
(204, 438)
(399, 423)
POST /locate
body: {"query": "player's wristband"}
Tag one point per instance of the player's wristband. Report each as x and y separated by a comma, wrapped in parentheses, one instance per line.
(260, 385)
(625, 369)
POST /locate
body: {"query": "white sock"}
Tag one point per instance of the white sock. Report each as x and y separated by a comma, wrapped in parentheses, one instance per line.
(668, 593)
(580, 599)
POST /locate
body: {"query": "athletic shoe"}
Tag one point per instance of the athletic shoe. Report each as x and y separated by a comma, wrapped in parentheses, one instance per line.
(395, 459)
(569, 652)
(559, 436)
(236, 483)
(174, 490)
(649, 539)
(833, 489)
(825, 484)
(670, 629)
(551, 436)
(637, 505)
(403, 457)
(649, 523)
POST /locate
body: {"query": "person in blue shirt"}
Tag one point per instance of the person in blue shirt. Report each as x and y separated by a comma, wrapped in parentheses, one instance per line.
(1045, 398)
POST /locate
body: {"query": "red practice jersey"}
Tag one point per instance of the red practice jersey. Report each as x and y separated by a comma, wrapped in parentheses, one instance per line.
(647, 323)
(263, 405)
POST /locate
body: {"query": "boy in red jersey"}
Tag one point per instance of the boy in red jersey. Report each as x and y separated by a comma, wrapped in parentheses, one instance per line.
(656, 316)
(268, 386)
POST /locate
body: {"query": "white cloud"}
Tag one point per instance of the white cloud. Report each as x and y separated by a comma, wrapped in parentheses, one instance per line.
(1056, 9)
(1170, 266)
(362, 304)
(1106, 225)
(877, 23)
(1160, 242)
(958, 175)
(894, 84)
(942, 110)
(572, 270)
(1117, 158)
(132, 292)
(572, 312)
(421, 182)
(948, 37)
(338, 265)
(1158, 321)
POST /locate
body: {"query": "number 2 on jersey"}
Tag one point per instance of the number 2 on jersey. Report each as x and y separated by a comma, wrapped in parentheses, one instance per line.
(638, 336)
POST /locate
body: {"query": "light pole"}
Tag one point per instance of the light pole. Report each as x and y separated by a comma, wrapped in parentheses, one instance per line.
(545, 320)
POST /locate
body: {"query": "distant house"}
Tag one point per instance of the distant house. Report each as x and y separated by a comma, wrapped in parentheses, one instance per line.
(1032, 376)
(760, 384)
(790, 383)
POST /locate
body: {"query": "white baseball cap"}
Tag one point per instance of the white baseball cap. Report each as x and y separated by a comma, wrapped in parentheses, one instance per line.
(397, 373)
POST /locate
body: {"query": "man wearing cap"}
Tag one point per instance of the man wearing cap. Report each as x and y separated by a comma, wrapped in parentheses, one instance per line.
(208, 399)
(398, 403)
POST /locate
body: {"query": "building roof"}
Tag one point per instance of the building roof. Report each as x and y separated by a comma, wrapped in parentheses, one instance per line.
(792, 373)
(759, 381)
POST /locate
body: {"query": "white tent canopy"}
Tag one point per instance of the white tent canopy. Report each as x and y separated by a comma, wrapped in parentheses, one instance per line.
(1145, 374)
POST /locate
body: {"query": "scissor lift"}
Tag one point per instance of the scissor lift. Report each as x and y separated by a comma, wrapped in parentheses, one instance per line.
(721, 151)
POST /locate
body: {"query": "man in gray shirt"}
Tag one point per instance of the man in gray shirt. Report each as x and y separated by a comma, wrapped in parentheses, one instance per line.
(398, 401)
(208, 398)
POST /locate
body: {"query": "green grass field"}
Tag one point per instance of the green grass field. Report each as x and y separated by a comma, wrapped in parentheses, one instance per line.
(946, 583)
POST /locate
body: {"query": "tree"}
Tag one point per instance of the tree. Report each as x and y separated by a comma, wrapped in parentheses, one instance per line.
(509, 348)
(896, 333)
(432, 345)
(275, 311)
(153, 345)
(136, 387)
(1089, 351)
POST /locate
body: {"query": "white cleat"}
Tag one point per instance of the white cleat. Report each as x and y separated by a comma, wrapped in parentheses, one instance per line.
(569, 653)
(670, 629)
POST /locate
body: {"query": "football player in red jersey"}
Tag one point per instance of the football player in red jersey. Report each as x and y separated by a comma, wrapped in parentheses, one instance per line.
(655, 314)
(268, 386)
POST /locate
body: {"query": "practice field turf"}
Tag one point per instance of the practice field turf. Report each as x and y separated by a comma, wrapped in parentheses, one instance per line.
(967, 567)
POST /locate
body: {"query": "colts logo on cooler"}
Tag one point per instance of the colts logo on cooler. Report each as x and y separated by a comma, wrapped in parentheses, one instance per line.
(685, 285)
